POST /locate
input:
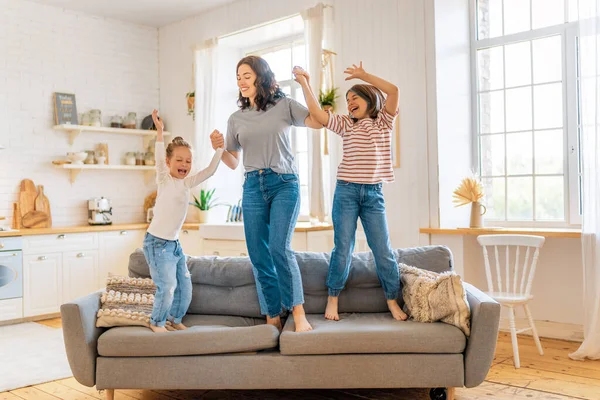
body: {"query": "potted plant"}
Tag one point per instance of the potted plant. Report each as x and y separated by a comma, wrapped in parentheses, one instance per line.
(327, 99)
(471, 191)
(204, 203)
(191, 99)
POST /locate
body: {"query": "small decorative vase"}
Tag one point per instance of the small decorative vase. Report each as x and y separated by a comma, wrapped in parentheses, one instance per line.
(202, 216)
(477, 211)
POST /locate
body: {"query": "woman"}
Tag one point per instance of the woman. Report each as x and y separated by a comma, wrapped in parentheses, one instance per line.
(271, 198)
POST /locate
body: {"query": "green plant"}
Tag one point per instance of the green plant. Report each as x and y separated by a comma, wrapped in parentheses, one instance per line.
(191, 97)
(206, 201)
(328, 97)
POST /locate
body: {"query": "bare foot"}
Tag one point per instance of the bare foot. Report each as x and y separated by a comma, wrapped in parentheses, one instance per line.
(276, 322)
(331, 312)
(179, 327)
(396, 311)
(158, 329)
(300, 320)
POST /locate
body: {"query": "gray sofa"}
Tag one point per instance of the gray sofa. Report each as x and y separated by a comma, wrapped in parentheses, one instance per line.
(231, 347)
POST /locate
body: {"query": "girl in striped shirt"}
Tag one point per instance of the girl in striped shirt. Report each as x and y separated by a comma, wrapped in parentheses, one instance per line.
(366, 164)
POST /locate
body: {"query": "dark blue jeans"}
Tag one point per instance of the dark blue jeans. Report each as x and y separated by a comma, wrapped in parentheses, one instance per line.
(270, 204)
(351, 201)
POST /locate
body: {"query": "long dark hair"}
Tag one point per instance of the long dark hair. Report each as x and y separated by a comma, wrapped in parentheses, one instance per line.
(373, 96)
(267, 88)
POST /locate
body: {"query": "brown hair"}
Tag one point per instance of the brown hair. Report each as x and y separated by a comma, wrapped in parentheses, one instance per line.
(373, 97)
(267, 89)
(177, 142)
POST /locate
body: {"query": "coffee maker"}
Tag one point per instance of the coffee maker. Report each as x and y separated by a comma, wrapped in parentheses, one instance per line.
(99, 210)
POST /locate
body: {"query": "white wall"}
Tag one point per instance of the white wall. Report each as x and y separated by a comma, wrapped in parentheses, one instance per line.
(109, 65)
(393, 31)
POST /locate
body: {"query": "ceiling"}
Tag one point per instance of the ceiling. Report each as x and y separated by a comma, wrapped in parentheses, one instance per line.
(155, 13)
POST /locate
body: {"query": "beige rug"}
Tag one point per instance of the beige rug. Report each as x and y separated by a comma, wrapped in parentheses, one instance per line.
(31, 353)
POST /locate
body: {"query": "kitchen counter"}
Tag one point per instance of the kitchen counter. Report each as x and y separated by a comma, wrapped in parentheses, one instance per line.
(300, 227)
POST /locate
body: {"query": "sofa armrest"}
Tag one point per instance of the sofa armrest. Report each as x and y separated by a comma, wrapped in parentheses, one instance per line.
(81, 336)
(481, 345)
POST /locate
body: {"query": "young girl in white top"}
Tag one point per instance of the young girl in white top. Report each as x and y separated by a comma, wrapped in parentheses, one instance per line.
(161, 245)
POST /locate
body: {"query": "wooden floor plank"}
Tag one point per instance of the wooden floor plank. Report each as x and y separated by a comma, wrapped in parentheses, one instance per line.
(495, 391)
(63, 392)
(551, 382)
(32, 393)
(9, 396)
(52, 323)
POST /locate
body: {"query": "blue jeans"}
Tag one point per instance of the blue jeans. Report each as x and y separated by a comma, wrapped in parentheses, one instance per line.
(171, 277)
(270, 204)
(351, 201)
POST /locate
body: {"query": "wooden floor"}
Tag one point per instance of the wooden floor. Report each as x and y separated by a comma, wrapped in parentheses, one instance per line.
(550, 377)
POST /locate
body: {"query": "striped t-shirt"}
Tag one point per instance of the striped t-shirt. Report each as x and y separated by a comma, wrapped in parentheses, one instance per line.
(367, 147)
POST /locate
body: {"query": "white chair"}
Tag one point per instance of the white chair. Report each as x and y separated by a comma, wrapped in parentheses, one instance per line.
(511, 285)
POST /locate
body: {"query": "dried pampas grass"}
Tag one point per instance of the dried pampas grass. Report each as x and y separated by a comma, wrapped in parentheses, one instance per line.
(469, 191)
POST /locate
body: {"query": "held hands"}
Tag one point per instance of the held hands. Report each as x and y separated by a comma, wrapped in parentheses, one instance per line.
(300, 75)
(217, 140)
(355, 72)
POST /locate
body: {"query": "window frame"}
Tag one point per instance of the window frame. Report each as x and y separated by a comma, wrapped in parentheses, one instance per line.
(568, 33)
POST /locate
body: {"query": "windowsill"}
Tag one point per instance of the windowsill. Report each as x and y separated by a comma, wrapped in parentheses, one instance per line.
(547, 232)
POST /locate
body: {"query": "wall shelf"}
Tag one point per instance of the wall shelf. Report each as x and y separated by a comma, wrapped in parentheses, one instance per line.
(75, 130)
(75, 169)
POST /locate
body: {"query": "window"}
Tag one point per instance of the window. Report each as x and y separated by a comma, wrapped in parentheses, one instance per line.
(525, 96)
(281, 59)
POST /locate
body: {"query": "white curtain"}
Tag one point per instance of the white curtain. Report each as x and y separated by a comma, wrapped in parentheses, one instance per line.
(313, 38)
(589, 14)
(205, 78)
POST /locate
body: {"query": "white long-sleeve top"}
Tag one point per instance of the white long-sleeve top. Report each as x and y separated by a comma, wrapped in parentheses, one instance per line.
(173, 195)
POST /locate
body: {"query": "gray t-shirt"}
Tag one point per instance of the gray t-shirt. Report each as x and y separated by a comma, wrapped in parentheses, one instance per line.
(264, 136)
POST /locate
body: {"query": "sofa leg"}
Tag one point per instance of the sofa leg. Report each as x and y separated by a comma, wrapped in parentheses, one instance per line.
(450, 393)
(110, 394)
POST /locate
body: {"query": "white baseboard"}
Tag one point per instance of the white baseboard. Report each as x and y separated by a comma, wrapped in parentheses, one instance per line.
(548, 329)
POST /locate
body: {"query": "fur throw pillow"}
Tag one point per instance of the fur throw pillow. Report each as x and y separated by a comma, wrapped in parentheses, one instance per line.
(126, 301)
(430, 297)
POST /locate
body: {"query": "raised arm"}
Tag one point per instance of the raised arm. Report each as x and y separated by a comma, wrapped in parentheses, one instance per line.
(391, 90)
(159, 149)
(230, 158)
(317, 116)
(207, 172)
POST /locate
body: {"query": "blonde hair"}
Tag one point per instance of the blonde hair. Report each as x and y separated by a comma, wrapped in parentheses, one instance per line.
(177, 142)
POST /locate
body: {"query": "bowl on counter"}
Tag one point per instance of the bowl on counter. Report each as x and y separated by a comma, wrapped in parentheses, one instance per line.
(77, 157)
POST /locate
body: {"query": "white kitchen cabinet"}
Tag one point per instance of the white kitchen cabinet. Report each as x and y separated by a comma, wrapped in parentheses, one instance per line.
(191, 242)
(42, 284)
(79, 274)
(115, 247)
(60, 242)
(224, 248)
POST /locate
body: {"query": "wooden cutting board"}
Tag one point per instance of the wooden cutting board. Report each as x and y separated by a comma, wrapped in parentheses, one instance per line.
(16, 223)
(43, 204)
(35, 219)
(27, 196)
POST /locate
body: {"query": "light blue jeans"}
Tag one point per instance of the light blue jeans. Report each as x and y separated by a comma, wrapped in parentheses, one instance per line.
(351, 201)
(171, 277)
(270, 204)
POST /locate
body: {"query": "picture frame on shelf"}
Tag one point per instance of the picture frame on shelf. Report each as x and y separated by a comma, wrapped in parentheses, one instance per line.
(65, 109)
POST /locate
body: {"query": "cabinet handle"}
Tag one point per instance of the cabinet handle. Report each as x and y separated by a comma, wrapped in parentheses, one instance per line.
(1, 245)
(61, 237)
(42, 258)
(243, 254)
(123, 233)
(216, 253)
(8, 255)
(80, 255)
(185, 232)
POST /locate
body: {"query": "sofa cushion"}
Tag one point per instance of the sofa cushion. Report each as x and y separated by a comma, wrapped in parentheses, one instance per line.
(207, 334)
(367, 333)
(225, 286)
